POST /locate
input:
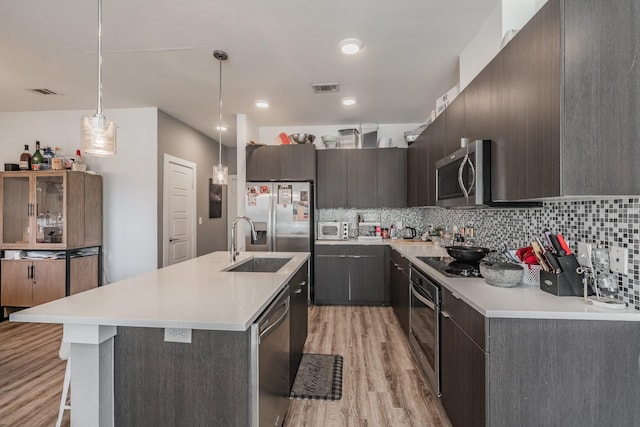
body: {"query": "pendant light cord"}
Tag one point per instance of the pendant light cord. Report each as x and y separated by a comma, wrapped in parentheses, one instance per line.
(99, 113)
(220, 115)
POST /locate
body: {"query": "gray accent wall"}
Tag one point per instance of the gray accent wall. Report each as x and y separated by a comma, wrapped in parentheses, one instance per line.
(177, 139)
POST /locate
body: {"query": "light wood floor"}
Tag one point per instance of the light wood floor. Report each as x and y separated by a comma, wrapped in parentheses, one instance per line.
(31, 374)
(381, 383)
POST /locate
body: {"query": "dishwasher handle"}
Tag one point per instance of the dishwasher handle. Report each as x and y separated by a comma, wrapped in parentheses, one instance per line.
(267, 319)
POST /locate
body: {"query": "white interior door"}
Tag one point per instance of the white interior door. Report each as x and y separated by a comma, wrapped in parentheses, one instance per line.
(179, 206)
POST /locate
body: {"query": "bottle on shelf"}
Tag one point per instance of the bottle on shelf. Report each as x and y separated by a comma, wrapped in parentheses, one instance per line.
(56, 162)
(79, 165)
(25, 159)
(37, 159)
(47, 154)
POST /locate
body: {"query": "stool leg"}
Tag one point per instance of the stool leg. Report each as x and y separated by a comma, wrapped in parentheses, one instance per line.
(65, 392)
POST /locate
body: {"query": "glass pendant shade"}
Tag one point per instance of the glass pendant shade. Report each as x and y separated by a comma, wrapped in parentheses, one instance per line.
(220, 174)
(98, 135)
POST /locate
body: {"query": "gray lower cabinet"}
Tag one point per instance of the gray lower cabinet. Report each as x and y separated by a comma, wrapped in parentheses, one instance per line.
(462, 363)
(537, 372)
(299, 288)
(399, 288)
(351, 274)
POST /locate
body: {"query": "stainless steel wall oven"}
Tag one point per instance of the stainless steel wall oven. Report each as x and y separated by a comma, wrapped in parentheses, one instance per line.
(424, 335)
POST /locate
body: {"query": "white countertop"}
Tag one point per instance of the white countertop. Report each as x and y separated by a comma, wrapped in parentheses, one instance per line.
(193, 294)
(524, 302)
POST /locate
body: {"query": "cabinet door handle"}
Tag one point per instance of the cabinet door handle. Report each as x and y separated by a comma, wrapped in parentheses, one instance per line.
(455, 296)
(445, 314)
(299, 291)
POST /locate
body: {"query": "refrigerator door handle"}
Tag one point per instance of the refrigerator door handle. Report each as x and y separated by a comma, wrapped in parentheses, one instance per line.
(271, 227)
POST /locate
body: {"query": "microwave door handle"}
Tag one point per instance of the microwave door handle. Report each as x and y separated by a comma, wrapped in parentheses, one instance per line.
(460, 181)
(473, 176)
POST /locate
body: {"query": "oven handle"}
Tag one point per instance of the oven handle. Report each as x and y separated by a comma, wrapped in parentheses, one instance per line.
(422, 299)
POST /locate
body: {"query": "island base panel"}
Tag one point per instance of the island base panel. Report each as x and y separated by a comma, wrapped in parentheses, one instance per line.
(163, 383)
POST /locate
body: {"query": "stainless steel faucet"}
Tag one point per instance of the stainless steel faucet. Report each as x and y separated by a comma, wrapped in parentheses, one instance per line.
(234, 245)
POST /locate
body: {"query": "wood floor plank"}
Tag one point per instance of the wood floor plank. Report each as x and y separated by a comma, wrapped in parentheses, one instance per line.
(31, 374)
(381, 387)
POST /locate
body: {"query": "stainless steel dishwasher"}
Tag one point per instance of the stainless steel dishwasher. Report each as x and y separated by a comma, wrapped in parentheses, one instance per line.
(271, 346)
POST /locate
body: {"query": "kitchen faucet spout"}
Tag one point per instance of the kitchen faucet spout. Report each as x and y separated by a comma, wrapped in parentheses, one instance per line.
(234, 244)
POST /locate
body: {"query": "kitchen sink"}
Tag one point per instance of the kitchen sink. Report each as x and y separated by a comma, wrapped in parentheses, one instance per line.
(259, 265)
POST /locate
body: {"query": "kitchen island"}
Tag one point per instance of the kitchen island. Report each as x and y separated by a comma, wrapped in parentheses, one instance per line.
(119, 346)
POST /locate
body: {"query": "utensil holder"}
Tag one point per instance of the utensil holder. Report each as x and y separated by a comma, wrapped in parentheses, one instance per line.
(531, 274)
(566, 283)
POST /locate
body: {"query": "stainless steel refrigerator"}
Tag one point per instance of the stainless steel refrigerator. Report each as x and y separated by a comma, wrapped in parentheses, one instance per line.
(283, 216)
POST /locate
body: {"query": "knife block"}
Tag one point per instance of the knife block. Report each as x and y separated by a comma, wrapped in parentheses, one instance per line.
(567, 283)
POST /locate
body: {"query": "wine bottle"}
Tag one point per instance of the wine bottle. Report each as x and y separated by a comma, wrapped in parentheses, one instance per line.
(37, 159)
(25, 159)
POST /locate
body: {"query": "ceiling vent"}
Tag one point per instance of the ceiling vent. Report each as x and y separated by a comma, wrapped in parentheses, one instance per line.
(44, 91)
(326, 87)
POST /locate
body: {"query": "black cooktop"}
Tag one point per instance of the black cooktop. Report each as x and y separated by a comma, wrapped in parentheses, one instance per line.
(452, 268)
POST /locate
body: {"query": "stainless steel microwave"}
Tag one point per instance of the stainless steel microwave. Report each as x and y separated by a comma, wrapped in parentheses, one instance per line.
(333, 230)
(463, 178)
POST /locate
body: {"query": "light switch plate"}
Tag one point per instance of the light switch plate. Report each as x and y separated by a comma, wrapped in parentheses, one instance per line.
(584, 254)
(618, 260)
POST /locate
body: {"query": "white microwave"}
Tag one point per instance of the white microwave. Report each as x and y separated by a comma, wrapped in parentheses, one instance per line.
(333, 230)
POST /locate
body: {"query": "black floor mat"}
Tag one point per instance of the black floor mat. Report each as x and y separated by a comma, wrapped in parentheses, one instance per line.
(319, 377)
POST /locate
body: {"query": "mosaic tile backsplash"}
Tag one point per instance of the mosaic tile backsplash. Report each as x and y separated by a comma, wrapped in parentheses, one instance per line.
(606, 222)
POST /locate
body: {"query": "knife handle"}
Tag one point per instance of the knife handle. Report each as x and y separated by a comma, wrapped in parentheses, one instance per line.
(564, 244)
(558, 249)
(547, 235)
(553, 262)
(537, 251)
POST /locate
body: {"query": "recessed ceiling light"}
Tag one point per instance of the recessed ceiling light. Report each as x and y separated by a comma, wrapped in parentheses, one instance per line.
(222, 128)
(350, 46)
(261, 103)
(348, 101)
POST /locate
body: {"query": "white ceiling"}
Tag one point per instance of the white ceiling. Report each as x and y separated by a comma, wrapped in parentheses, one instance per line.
(159, 53)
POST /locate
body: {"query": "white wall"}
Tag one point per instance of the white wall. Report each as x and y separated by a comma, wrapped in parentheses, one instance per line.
(507, 15)
(129, 178)
(482, 49)
(395, 131)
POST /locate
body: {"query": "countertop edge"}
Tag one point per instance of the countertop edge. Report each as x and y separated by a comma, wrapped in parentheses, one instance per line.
(549, 306)
(51, 312)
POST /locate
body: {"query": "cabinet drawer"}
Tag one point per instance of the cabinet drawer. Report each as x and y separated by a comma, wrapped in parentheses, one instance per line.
(400, 261)
(367, 250)
(472, 322)
(332, 250)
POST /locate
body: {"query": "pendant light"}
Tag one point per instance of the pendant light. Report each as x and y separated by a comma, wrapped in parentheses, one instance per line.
(98, 134)
(220, 172)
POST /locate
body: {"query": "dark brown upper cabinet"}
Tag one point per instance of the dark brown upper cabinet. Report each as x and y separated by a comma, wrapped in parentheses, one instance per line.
(368, 178)
(295, 162)
(560, 103)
